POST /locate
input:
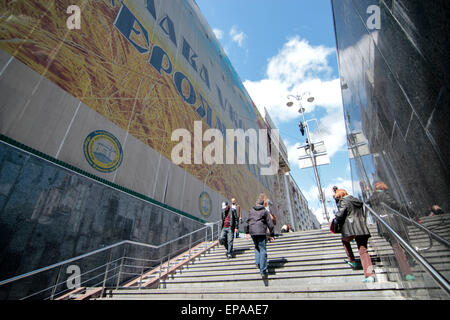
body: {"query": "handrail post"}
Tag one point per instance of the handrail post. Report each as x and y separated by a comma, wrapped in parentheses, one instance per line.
(160, 268)
(56, 283)
(106, 274)
(189, 256)
(121, 266)
(168, 258)
(142, 274)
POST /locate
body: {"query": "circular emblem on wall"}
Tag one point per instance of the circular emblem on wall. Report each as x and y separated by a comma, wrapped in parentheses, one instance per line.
(205, 204)
(103, 151)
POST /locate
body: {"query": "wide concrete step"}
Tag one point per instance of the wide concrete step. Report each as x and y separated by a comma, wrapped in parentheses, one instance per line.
(276, 260)
(255, 279)
(275, 266)
(357, 290)
(292, 271)
(302, 265)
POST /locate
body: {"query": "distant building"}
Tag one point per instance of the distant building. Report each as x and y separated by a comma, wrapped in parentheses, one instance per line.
(304, 218)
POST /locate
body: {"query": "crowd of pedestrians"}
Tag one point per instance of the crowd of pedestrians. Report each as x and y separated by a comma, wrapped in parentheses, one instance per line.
(350, 217)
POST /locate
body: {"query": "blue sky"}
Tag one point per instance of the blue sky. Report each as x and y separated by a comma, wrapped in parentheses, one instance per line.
(281, 47)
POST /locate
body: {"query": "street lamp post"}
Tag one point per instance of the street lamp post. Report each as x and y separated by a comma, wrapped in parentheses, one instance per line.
(310, 145)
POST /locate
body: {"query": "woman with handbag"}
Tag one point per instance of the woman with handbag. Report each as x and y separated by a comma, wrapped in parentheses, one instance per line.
(353, 221)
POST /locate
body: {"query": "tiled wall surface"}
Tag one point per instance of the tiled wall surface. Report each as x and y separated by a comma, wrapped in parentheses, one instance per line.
(393, 60)
(396, 93)
(49, 214)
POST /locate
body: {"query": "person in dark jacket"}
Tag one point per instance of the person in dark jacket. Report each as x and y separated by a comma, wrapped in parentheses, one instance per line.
(237, 207)
(257, 223)
(229, 223)
(352, 218)
(335, 188)
(381, 201)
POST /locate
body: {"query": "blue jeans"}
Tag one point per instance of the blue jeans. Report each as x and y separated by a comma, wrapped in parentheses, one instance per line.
(260, 252)
(227, 237)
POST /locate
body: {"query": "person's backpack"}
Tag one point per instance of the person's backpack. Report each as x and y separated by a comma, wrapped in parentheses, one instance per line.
(335, 227)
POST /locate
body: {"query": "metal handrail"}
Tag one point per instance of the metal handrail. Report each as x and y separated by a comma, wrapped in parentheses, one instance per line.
(430, 240)
(423, 228)
(55, 265)
(442, 282)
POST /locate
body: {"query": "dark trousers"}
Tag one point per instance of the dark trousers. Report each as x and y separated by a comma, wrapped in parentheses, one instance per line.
(361, 242)
(227, 237)
(260, 252)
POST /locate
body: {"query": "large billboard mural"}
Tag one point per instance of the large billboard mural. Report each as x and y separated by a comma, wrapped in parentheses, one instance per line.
(148, 67)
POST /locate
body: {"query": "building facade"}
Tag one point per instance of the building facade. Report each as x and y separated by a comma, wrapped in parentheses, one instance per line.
(393, 62)
(87, 121)
(392, 58)
(304, 218)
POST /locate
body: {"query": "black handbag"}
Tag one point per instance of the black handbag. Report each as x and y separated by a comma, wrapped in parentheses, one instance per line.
(335, 227)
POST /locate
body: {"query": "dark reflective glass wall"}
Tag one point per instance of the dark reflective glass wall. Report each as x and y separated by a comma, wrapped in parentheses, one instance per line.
(393, 61)
(49, 214)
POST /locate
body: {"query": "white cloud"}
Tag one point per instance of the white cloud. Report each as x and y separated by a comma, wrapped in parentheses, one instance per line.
(300, 67)
(218, 33)
(298, 61)
(237, 36)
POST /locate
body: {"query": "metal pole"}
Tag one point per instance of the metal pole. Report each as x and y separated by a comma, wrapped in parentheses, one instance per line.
(56, 283)
(121, 265)
(313, 160)
(106, 276)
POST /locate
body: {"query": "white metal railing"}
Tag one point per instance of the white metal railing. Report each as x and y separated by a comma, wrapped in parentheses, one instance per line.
(120, 266)
(436, 276)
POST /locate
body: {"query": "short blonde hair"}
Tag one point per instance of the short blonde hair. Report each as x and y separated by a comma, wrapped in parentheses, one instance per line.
(340, 193)
(262, 199)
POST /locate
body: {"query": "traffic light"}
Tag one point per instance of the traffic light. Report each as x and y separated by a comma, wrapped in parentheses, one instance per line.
(302, 128)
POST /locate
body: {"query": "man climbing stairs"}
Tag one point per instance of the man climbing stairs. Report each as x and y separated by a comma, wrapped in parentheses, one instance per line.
(302, 265)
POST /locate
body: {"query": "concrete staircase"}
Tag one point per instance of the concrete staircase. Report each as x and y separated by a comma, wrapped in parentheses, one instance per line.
(302, 265)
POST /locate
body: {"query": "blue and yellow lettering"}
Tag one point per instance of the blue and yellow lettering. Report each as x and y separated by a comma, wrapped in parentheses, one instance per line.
(125, 22)
(189, 54)
(151, 8)
(202, 111)
(157, 59)
(204, 76)
(223, 103)
(178, 79)
(167, 25)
